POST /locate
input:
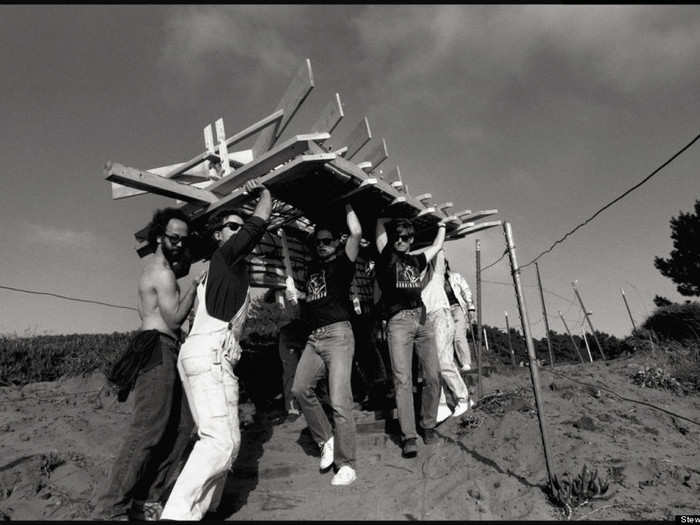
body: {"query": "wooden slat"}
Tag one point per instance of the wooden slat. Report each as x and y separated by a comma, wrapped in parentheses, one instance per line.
(330, 117)
(445, 207)
(153, 183)
(471, 217)
(295, 95)
(461, 232)
(426, 211)
(196, 174)
(377, 154)
(425, 198)
(263, 164)
(357, 138)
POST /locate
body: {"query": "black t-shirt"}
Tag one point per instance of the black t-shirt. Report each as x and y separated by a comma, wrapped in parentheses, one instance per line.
(227, 278)
(451, 297)
(327, 292)
(399, 279)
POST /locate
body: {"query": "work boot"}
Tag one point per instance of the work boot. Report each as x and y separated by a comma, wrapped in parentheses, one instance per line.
(410, 449)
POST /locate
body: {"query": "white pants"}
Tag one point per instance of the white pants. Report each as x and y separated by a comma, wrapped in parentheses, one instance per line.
(212, 392)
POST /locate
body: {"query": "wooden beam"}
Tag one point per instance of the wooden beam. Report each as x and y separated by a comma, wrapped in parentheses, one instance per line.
(424, 198)
(330, 117)
(462, 232)
(261, 165)
(426, 211)
(292, 99)
(153, 183)
(471, 217)
(377, 154)
(357, 138)
(444, 207)
(365, 166)
(194, 175)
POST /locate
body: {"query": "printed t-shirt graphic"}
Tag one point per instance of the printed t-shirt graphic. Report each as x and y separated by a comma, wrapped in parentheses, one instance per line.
(316, 286)
(407, 275)
(327, 292)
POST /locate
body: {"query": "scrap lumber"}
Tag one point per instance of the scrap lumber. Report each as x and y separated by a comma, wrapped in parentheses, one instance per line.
(357, 138)
(292, 99)
(377, 154)
(330, 117)
(471, 217)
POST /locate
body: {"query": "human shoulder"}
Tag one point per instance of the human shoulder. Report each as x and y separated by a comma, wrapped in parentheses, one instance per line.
(157, 273)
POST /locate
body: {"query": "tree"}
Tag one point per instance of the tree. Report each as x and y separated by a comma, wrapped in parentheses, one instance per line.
(683, 265)
(661, 301)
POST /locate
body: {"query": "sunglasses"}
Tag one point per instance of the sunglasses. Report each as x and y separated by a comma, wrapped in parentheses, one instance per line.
(233, 226)
(177, 239)
(325, 241)
(403, 238)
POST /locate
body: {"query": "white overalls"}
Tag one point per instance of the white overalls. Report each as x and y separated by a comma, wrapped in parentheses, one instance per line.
(205, 364)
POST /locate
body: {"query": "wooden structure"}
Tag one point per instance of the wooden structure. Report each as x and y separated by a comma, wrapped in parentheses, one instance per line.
(310, 176)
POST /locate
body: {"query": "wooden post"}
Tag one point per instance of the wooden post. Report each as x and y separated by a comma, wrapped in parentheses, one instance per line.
(624, 298)
(510, 344)
(544, 314)
(289, 280)
(478, 317)
(573, 341)
(515, 271)
(486, 339)
(588, 318)
(588, 348)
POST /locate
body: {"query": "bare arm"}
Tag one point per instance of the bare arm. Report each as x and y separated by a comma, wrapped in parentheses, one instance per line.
(432, 250)
(352, 245)
(381, 236)
(264, 206)
(172, 306)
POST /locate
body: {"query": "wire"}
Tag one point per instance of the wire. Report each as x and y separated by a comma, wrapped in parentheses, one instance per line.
(495, 262)
(616, 199)
(77, 299)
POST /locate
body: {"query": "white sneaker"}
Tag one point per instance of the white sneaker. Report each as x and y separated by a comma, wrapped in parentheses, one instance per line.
(327, 454)
(460, 409)
(443, 413)
(344, 476)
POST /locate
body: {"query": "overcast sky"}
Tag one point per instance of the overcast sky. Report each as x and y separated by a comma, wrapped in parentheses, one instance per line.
(543, 112)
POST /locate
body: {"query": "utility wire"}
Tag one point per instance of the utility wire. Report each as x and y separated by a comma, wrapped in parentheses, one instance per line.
(616, 199)
(494, 263)
(77, 299)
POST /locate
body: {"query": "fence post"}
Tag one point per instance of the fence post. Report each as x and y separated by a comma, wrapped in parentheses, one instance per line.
(478, 317)
(624, 298)
(515, 271)
(544, 314)
(588, 318)
(510, 344)
(585, 340)
(573, 341)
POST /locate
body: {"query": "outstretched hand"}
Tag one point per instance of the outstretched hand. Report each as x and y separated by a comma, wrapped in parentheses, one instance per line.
(254, 187)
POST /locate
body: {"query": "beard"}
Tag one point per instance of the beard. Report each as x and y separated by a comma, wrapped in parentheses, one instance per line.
(179, 261)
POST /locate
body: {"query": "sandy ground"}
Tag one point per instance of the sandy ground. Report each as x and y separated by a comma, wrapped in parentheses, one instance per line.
(59, 439)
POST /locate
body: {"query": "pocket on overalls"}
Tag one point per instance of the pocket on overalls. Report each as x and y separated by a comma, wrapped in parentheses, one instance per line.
(205, 376)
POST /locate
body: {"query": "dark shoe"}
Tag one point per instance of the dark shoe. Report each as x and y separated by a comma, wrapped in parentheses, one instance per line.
(430, 436)
(410, 449)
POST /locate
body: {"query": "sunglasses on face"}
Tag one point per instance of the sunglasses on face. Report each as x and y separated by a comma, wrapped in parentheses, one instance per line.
(177, 239)
(233, 226)
(325, 241)
(403, 238)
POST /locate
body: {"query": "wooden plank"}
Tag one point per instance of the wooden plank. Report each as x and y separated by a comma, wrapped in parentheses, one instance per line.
(471, 217)
(292, 99)
(261, 165)
(357, 138)
(330, 117)
(425, 198)
(445, 207)
(365, 166)
(426, 211)
(223, 148)
(377, 154)
(462, 232)
(153, 183)
(194, 175)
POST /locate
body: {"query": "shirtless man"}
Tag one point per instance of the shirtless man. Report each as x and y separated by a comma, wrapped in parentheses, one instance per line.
(152, 452)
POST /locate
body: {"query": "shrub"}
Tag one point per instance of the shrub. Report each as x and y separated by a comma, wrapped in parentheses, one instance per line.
(678, 322)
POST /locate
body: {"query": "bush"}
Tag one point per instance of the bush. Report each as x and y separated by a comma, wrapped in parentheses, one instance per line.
(677, 322)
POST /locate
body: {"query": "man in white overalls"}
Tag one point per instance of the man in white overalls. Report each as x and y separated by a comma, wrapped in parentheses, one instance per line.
(207, 358)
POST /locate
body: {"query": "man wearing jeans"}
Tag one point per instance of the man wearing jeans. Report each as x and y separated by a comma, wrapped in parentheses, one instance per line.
(440, 318)
(330, 348)
(156, 439)
(207, 359)
(398, 274)
(460, 297)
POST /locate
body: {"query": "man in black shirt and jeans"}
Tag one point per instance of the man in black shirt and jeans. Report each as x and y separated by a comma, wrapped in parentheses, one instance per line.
(399, 277)
(330, 348)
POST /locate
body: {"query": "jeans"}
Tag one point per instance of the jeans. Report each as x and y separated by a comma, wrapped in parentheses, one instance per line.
(406, 329)
(212, 391)
(290, 347)
(461, 345)
(444, 329)
(153, 451)
(329, 349)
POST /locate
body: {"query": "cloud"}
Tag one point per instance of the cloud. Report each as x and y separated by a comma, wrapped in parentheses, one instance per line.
(62, 237)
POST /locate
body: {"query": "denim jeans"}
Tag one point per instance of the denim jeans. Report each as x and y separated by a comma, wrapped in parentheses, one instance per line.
(444, 329)
(290, 347)
(152, 453)
(408, 329)
(329, 349)
(461, 345)
(212, 391)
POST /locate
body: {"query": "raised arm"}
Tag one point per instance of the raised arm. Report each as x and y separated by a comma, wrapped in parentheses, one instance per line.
(432, 250)
(352, 245)
(380, 234)
(264, 206)
(172, 306)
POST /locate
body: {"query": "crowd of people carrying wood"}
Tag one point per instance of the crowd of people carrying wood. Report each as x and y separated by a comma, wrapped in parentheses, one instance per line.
(187, 391)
